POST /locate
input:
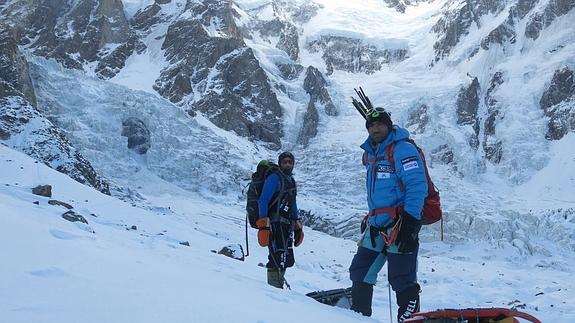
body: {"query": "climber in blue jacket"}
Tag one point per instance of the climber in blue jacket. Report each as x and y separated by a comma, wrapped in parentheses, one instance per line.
(396, 190)
(278, 225)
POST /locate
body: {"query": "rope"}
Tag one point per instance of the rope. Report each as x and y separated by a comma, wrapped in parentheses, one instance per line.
(247, 241)
(283, 255)
(441, 228)
(390, 311)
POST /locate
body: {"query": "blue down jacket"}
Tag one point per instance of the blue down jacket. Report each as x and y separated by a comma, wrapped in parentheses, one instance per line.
(383, 189)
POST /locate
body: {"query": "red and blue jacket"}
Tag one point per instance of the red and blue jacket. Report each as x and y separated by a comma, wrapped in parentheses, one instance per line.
(394, 184)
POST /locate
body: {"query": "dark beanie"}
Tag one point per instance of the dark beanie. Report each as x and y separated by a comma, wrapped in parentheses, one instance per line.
(285, 154)
(379, 114)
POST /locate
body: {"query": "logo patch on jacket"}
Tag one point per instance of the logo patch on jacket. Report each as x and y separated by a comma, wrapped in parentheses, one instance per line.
(384, 171)
(410, 163)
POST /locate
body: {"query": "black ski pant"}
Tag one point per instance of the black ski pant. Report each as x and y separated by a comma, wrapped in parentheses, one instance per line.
(401, 274)
(280, 249)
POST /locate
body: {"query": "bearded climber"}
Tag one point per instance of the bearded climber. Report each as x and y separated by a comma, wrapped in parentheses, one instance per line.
(395, 195)
(278, 222)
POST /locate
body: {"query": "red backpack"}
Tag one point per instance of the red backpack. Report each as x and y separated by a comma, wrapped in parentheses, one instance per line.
(432, 204)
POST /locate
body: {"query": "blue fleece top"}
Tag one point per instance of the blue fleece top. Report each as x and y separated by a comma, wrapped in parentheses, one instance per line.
(271, 186)
(382, 183)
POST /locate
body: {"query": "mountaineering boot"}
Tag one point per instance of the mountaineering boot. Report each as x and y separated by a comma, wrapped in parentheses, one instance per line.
(276, 277)
(408, 302)
(361, 295)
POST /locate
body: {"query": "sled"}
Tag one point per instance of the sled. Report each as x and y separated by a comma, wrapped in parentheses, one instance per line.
(335, 297)
(479, 315)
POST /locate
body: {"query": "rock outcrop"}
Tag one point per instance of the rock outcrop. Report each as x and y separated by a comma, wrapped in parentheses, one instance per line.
(352, 55)
(24, 128)
(285, 33)
(401, 5)
(558, 104)
(455, 23)
(213, 72)
(417, 119)
(492, 146)
(14, 74)
(316, 86)
(506, 33)
(75, 33)
(467, 106)
(138, 135)
(542, 20)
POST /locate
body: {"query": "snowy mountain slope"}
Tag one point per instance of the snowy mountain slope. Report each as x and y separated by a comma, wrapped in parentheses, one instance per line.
(63, 271)
(493, 114)
(87, 35)
(187, 152)
(24, 128)
(108, 271)
(472, 187)
(409, 85)
(498, 47)
(528, 67)
(538, 192)
(487, 190)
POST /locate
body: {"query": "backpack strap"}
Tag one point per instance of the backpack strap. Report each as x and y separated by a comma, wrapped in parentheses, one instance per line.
(389, 156)
(389, 151)
(275, 216)
(365, 160)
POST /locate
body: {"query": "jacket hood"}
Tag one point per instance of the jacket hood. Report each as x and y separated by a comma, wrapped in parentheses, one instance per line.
(397, 134)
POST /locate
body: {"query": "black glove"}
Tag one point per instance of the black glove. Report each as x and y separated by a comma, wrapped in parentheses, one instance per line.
(363, 225)
(407, 239)
(373, 232)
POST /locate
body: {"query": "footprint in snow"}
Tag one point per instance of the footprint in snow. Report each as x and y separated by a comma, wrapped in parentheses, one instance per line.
(279, 298)
(29, 309)
(63, 235)
(49, 272)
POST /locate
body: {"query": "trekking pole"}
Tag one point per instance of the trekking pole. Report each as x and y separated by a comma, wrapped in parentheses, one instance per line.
(279, 275)
(441, 229)
(272, 253)
(285, 281)
(389, 294)
(247, 242)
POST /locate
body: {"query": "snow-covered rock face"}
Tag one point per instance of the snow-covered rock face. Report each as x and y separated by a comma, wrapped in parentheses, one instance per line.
(137, 133)
(418, 119)
(136, 137)
(14, 76)
(277, 24)
(23, 128)
(75, 33)
(315, 85)
(212, 71)
(542, 20)
(285, 33)
(491, 145)
(351, 55)
(558, 103)
(467, 107)
(497, 43)
(401, 5)
(480, 84)
(459, 17)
